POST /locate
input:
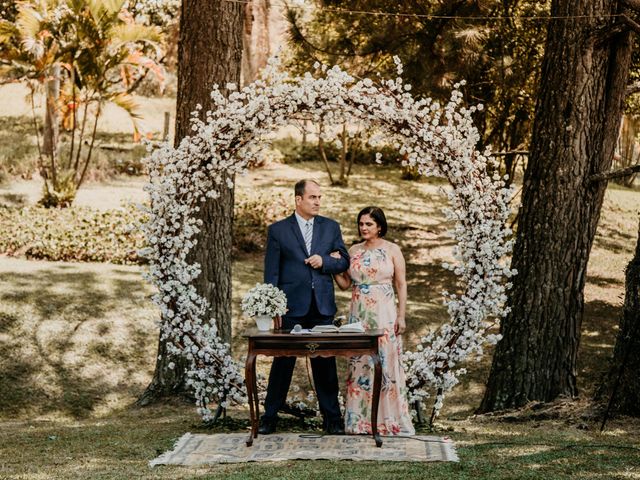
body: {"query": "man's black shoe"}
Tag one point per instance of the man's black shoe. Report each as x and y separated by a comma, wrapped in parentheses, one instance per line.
(335, 427)
(267, 426)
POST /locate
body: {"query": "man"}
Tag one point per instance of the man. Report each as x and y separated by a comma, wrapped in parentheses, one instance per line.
(298, 262)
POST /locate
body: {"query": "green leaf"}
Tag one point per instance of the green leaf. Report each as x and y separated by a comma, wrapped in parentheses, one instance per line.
(100, 8)
(8, 31)
(130, 32)
(126, 102)
(112, 6)
(28, 22)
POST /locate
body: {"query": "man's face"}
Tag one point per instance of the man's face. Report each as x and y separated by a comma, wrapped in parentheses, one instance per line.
(308, 205)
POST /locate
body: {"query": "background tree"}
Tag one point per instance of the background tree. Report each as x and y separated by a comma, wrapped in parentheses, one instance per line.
(582, 92)
(621, 386)
(165, 15)
(255, 41)
(86, 54)
(30, 57)
(346, 142)
(499, 57)
(209, 52)
(627, 149)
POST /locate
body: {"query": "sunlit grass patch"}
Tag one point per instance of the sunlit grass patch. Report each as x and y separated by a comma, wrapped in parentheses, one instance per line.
(78, 344)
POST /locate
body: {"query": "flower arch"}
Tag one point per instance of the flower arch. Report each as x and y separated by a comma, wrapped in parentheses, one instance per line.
(436, 139)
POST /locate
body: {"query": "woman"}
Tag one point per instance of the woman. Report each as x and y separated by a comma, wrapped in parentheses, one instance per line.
(376, 266)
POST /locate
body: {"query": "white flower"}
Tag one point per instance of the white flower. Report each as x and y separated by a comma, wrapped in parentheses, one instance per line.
(436, 139)
(264, 299)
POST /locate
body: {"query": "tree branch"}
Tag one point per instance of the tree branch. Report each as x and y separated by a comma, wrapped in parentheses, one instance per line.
(632, 4)
(139, 80)
(633, 88)
(512, 152)
(623, 172)
(601, 36)
(632, 24)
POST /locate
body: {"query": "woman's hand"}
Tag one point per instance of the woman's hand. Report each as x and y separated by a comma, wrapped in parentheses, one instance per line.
(342, 279)
(400, 326)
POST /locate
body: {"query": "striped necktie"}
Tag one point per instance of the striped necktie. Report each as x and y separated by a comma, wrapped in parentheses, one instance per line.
(308, 235)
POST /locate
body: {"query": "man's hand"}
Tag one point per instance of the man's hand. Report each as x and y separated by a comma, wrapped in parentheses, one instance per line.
(314, 260)
(277, 322)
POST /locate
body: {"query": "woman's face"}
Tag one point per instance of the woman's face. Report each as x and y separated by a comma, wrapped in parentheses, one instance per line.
(368, 227)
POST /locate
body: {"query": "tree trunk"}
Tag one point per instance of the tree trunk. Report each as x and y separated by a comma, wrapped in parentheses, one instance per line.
(210, 51)
(621, 387)
(51, 122)
(344, 138)
(255, 39)
(247, 45)
(627, 150)
(574, 134)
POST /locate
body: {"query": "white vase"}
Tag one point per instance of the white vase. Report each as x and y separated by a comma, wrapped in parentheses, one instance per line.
(263, 322)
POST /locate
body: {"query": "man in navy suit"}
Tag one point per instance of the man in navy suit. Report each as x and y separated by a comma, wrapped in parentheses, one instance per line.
(298, 261)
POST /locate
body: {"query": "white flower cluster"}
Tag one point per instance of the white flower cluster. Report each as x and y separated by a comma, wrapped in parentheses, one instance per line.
(155, 12)
(264, 299)
(435, 139)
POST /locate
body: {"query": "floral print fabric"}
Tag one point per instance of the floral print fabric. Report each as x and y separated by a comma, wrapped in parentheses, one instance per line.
(373, 304)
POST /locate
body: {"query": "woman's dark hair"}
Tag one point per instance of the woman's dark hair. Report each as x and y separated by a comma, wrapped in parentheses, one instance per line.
(378, 216)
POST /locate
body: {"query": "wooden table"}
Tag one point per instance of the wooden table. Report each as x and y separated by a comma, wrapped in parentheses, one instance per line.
(280, 343)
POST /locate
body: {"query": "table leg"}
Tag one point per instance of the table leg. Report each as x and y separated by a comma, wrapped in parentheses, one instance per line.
(256, 400)
(377, 384)
(250, 384)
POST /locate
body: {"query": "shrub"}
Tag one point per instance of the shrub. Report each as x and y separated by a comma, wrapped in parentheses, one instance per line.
(294, 151)
(18, 149)
(82, 234)
(115, 153)
(72, 234)
(253, 214)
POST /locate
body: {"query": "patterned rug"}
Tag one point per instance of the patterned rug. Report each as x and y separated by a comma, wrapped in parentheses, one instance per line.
(202, 449)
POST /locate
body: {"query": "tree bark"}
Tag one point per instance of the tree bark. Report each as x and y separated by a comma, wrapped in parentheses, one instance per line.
(51, 122)
(209, 52)
(627, 150)
(574, 135)
(255, 39)
(621, 386)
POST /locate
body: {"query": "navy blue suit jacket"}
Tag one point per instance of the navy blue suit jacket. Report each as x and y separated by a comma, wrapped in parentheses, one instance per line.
(284, 264)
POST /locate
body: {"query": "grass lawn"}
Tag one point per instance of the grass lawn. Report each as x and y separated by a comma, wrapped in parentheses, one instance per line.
(77, 346)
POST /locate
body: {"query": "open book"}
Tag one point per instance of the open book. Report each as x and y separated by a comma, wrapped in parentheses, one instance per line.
(356, 327)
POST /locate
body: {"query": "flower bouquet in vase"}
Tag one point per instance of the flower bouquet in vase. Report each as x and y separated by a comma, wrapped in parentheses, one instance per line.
(264, 302)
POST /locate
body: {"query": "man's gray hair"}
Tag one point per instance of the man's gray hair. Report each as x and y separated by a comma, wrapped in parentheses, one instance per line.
(301, 185)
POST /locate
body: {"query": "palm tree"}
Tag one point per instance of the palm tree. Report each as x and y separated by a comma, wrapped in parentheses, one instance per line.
(29, 54)
(101, 52)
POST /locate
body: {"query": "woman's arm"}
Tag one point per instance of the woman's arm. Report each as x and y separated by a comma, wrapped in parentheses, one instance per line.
(400, 282)
(342, 279)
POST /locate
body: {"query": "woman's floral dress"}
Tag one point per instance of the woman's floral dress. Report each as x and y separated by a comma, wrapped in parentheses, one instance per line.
(373, 304)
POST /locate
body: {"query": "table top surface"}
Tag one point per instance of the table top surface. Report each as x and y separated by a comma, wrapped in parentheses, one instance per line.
(281, 334)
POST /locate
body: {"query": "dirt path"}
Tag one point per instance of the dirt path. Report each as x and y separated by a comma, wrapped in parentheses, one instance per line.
(14, 102)
(103, 196)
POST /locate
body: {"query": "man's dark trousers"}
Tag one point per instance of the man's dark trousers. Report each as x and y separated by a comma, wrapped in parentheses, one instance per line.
(325, 376)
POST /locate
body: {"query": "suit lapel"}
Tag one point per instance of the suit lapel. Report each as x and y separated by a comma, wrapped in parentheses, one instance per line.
(293, 223)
